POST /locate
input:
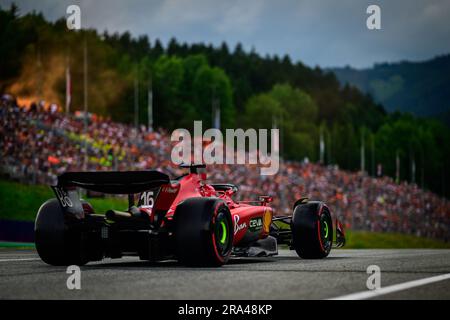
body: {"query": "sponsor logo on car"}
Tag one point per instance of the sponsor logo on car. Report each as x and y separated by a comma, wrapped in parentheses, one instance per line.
(170, 189)
(255, 224)
(238, 227)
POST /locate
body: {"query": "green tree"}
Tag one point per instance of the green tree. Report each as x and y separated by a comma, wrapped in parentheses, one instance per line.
(294, 113)
(261, 110)
(212, 83)
(168, 78)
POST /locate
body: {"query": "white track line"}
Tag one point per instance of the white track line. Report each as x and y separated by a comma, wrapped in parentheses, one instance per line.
(394, 288)
(14, 260)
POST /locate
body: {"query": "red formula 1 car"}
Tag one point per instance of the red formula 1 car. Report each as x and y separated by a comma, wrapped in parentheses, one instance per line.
(186, 219)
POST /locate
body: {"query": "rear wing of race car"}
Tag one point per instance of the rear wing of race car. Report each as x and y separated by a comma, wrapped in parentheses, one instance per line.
(112, 182)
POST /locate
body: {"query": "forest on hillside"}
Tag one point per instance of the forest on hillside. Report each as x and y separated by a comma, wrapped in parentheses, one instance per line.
(251, 90)
(420, 88)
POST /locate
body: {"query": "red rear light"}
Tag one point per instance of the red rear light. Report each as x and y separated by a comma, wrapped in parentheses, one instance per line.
(87, 208)
(266, 199)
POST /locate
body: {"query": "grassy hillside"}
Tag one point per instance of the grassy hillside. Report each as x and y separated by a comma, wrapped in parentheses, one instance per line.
(21, 202)
(376, 240)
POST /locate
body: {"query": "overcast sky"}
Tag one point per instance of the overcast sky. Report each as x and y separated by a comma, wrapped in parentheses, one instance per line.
(317, 32)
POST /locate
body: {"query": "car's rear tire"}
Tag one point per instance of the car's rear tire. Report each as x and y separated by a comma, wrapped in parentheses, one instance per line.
(312, 230)
(57, 243)
(203, 232)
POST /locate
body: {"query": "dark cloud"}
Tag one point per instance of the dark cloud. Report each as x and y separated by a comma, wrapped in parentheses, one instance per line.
(322, 32)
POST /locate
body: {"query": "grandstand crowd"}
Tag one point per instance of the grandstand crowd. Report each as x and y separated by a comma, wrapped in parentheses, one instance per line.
(38, 142)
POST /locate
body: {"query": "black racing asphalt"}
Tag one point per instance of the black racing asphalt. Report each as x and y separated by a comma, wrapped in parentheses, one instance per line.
(24, 276)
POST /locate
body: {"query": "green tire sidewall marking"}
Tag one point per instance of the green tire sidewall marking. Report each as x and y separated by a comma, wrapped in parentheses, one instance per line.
(326, 229)
(224, 232)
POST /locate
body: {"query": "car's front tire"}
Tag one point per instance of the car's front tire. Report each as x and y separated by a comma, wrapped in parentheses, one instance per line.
(203, 232)
(312, 230)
